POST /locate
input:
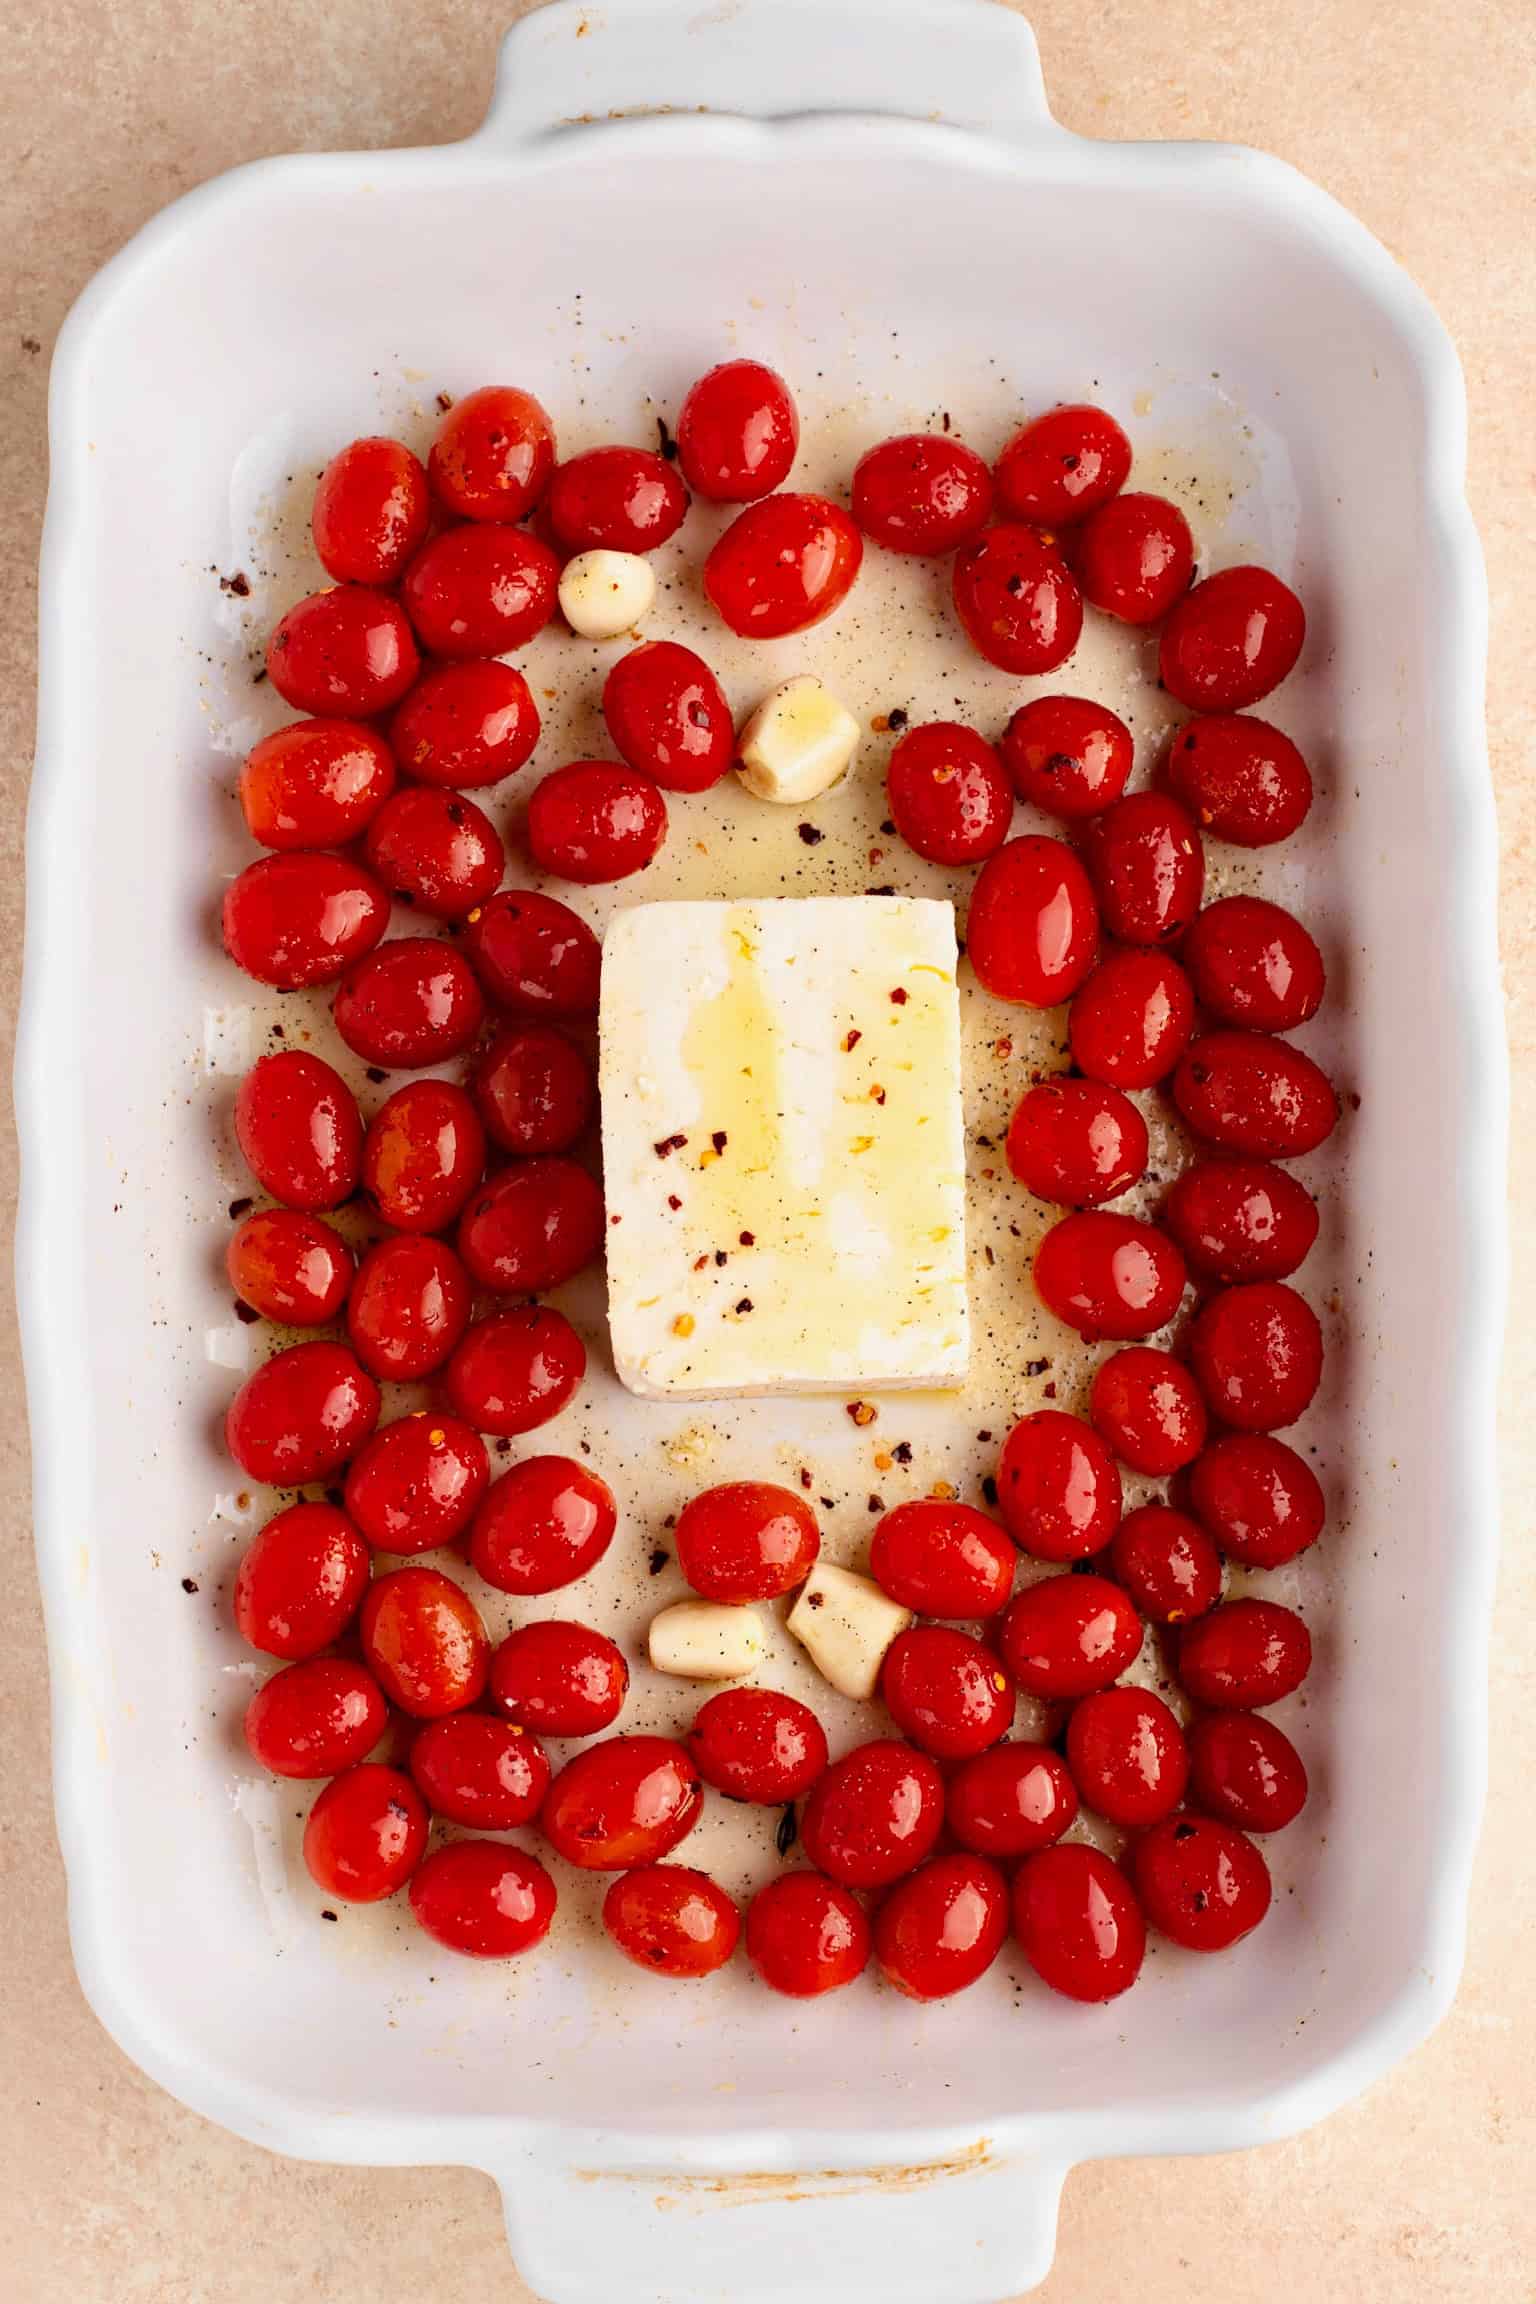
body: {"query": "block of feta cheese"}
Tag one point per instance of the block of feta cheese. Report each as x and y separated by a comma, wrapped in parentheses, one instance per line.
(783, 1146)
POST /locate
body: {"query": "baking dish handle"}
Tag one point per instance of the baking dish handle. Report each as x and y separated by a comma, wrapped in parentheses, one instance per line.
(970, 63)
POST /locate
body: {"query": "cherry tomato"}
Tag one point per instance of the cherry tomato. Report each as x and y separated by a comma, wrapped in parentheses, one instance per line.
(754, 1744)
(737, 432)
(534, 1089)
(806, 1935)
(535, 955)
(1231, 640)
(1134, 558)
(1109, 1276)
(1254, 964)
(669, 1919)
(874, 1815)
(348, 653)
(515, 1370)
(1241, 1220)
(465, 725)
(493, 455)
(1127, 1752)
(1131, 1020)
(478, 1771)
(315, 783)
(1148, 1407)
(1017, 599)
(315, 1719)
(1077, 1142)
(483, 1898)
(1057, 1487)
(478, 592)
(921, 492)
(1078, 1923)
(1033, 930)
(624, 1802)
(1246, 1771)
(1248, 1093)
(289, 1266)
(301, 1415)
(1010, 1800)
(1258, 1353)
(417, 1483)
(424, 1641)
(560, 1678)
(371, 511)
(415, 1001)
(436, 850)
(942, 1927)
(543, 1524)
(1240, 779)
(615, 500)
(296, 920)
(1069, 1635)
(365, 1834)
(783, 564)
(949, 793)
(1068, 756)
(594, 821)
(299, 1130)
(1200, 1881)
(942, 1559)
(1063, 465)
(1167, 1563)
(945, 1691)
(534, 1225)
(423, 1155)
(1261, 1502)
(1148, 868)
(301, 1582)
(410, 1305)
(1244, 1654)
(668, 716)
(746, 1541)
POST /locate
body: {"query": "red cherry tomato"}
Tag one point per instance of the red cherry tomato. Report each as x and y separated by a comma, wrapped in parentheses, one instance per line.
(1127, 1752)
(1167, 1563)
(1231, 640)
(615, 500)
(806, 1935)
(483, 1898)
(301, 1415)
(417, 1483)
(1069, 1635)
(1244, 1654)
(941, 1559)
(436, 850)
(424, 1642)
(668, 716)
(1063, 465)
(1057, 1487)
(1200, 1881)
(1077, 1142)
(1261, 1501)
(1258, 1353)
(754, 1744)
(493, 455)
(1078, 1922)
(1109, 1276)
(783, 564)
(1241, 1220)
(415, 1001)
(315, 783)
(543, 1524)
(409, 1307)
(1246, 1771)
(1148, 1407)
(534, 1089)
(1248, 1093)
(315, 1719)
(1240, 779)
(301, 1582)
(746, 1541)
(942, 1927)
(346, 654)
(534, 1225)
(1033, 930)
(466, 725)
(292, 921)
(477, 592)
(624, 1802)
(921, 492)
(1134, 557)
(737, 432)
(515, 1370)
(874, 1815)
(1068, 756)
(289, 1266)
(1131, 1020)
(671, 1920)
(371, 511)
(560, 1678)
(1017, 599)
(481, 1772)
(1148, 868)
(423, 1155)
(1010, 1800)
(594, 821)
(365, 1834)
(949, 793)
(945, 1691)
(1254, 964)
(535, 955)
(299, 1130)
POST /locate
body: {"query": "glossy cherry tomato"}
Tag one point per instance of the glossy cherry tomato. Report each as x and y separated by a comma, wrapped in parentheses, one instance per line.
(1063, 465)
(1033, 930)
(1078, 1923)
(1131, 1020)
(299, 1129)
(297, 920)
(1148, 868)
(615, 500)
(1109, 1276)
(515, 1370)
(874, 1815)
(535, 955)
(1258, 1353)
(478, 1771)
(806, 1935)
(1068, 756)
(1069, 1635)
(466, 725)
(1248, 1093)
(1240, 779)
(543, 1524)
(1260, 1501)
(1253, 964)
(560, 1678)
(1200, 1882)
(435, 850)
(668, 716)
(945, 1691)
(315, 783)
(348, 654)
(483, 1898)
(532, 1226)
(1231, 640)
(371, 511)
(674, 1921)
(1167, 1563)
(746, 1540)
(1241, 1220)
(1148, 1407)
(942, 1927)
(949, 793)
(1244, 1654)
(594, 821)
(1017, 599)
(921, 492)
(1010, 1800)
(534, 1089)
(415, 1001)
(424, 1642)
(301, 1415)
(423, 1155)
(755, 1744)
(301, 1582)
(941, 1559)
(1246, 1771)
(409, 1307)
(493, 455)
(624, 1802)
(1127, 1752)
(418, 1482)
(783, 564)
(1077, 1142)
(288, 1266)
(315, 1719)
(365, 1834)
(737, 432)
(1057, 1487)
(478, 592)
(1134, 557)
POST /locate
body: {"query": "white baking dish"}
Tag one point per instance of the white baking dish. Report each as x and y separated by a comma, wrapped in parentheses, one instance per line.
(908, 226)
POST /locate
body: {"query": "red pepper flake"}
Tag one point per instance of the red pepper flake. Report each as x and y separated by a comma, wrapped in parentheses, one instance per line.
(877, 855)
(673, 1202)
(878, 1094)
(984, 1437)
(815, 1599)
(658, 1560)
(720, 1257)
(862, 1411)
(1036, 1367)
(896, 719)
(875, 1504)
(668, 1145)
(745, 1305)
(988, 1253)
(1002, 1048)
(812, 835)
(445, 401)
(239, 1208)
(899, 996)
(1050, 1391)
(748, 1239)
(719, 1139)
(805, 1477)
(615, 1219)
(699, 1263)
(989, 1491)
(902, 1451)
(851, 1041)
(246, 1312)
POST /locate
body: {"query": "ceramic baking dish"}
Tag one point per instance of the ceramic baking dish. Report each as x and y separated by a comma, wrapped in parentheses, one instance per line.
(876, 196)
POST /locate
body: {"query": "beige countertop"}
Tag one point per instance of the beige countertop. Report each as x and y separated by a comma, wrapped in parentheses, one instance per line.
(1421, 117)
